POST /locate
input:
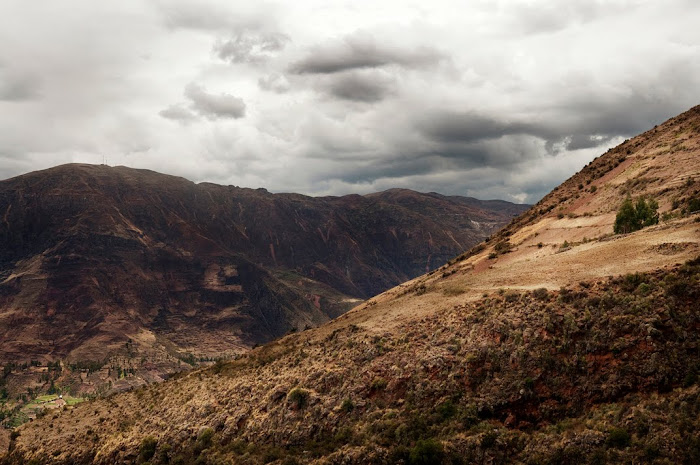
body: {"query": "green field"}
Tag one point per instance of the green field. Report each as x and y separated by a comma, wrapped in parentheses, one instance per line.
(70, 400)
(37, 405)
(73, 400)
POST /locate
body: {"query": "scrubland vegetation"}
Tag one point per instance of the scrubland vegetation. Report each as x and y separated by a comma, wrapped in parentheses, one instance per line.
(602, 372)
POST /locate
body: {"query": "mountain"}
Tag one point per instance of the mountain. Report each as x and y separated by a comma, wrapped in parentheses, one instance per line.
(554, 341)
(98, 260)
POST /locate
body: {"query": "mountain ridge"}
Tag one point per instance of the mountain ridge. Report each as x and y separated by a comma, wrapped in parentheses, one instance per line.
(102, 261)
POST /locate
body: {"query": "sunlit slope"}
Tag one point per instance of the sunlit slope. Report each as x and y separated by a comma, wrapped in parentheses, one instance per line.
(568, 236)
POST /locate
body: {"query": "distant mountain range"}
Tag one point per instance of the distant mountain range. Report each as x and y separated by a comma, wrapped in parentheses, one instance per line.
(98, 260)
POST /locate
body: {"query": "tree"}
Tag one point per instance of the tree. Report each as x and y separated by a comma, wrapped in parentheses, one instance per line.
(647, 212)
(633, 217)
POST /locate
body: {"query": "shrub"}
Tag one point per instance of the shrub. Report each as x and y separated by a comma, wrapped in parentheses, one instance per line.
(633, 217)
(694, 205)
(218, 366)
(347, 406)
(426, 452)
(643, 289)
(618, 437)
(446, 410)
(378, 384)
(164, 453)
(530, 383)
(489, 439)
(502, 247)
(541, 293)
(631, 281)
(148, 448)
(298, 397)
(205, 437)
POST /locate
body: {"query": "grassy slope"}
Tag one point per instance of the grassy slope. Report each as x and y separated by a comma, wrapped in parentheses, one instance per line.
(607, 369)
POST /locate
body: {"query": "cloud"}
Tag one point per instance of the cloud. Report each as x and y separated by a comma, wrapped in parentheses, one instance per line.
(250, 47)
(360, 86)
(210, 15)
(361, 51)
(581, 141)
(275, 82)
(178, 112)
(206, 105)
(214, 106)
(454, 127)
(490, 99)
(544, 17)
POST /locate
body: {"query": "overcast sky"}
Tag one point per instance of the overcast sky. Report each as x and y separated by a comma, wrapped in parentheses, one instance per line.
(487, 98)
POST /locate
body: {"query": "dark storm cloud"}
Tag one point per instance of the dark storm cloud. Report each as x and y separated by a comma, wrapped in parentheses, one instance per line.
(362, 52)
(451, 127)
(583, 122)
(601, 115)
(250, 47)
(360, 86)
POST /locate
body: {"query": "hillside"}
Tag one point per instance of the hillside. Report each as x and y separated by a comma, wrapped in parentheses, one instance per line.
(153, 271)
(555, 341)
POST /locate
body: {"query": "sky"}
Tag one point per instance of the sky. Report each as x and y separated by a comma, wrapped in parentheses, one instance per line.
(486, 98)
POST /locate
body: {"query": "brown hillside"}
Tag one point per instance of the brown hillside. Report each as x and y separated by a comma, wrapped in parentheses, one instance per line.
(540, 354)
(663, 164)
(99, 262)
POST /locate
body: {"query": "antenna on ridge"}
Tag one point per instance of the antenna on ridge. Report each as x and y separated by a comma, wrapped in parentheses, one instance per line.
(104, 159)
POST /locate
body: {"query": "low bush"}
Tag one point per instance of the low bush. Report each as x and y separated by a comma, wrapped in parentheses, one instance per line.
(148, 448)
(618, 438)
(347, 406)
(298, 397)
(426, 452)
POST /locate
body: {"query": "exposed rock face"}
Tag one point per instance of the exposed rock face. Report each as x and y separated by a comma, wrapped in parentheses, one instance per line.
(95, 256)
